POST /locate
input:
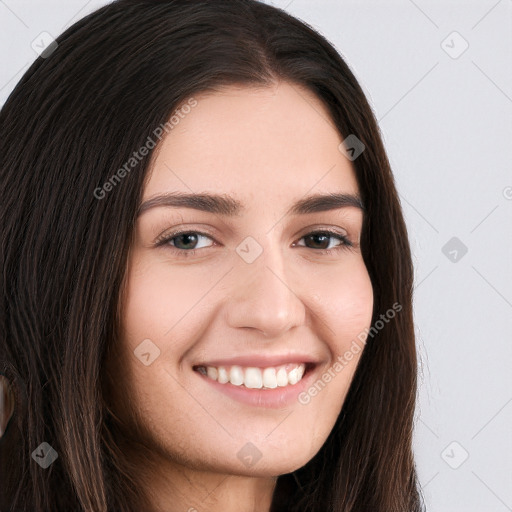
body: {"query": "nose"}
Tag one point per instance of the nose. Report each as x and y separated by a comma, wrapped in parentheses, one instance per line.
(265, 297)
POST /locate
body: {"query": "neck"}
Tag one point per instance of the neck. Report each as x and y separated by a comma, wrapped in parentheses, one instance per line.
(182, 489)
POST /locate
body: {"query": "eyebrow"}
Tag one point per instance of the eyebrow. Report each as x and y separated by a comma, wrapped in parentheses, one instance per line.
(225, 205)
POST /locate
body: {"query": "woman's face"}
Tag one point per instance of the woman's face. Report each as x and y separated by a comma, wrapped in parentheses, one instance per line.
(248, 293)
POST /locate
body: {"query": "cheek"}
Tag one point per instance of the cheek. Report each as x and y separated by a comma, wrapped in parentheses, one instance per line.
(161, 304)
(344, 300)
(342, 309)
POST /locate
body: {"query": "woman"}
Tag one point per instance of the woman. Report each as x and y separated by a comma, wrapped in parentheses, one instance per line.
(260, 369)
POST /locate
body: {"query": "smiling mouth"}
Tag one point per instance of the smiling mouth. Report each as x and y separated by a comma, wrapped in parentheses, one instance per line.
(253, 377)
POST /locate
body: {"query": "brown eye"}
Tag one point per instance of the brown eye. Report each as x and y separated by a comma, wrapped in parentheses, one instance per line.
(320, 240)
(185, 239)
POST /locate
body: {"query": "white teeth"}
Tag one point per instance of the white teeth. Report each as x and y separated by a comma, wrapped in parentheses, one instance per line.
(212, 372)
(236, 375)
(256, 378)
(282, 377)
(269, 378)
(293, 376)
(253, 378)
(223, 377)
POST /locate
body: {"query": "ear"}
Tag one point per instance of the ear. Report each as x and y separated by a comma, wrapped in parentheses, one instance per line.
(6, 403)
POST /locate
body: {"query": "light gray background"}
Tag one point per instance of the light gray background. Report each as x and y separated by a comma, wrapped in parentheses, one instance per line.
(447, 126)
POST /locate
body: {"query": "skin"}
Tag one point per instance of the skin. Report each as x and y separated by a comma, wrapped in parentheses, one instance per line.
(267, 147)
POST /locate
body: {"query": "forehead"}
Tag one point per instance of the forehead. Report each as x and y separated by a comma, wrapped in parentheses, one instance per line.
(275, 142)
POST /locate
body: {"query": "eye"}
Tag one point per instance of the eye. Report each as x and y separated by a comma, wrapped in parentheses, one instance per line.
(181, 242)
(320, 237)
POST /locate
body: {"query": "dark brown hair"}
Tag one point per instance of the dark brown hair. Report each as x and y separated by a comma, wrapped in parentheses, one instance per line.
(74, 118)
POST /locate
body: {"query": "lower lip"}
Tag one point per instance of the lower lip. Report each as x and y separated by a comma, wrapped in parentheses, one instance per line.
(277, 398)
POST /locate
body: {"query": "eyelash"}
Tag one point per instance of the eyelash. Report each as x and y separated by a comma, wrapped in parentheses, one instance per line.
(164, 240)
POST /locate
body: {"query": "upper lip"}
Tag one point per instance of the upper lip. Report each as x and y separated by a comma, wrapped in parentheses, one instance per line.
(261, 361)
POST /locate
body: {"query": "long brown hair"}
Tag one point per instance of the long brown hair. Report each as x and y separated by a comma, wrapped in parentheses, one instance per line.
(73, 120)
